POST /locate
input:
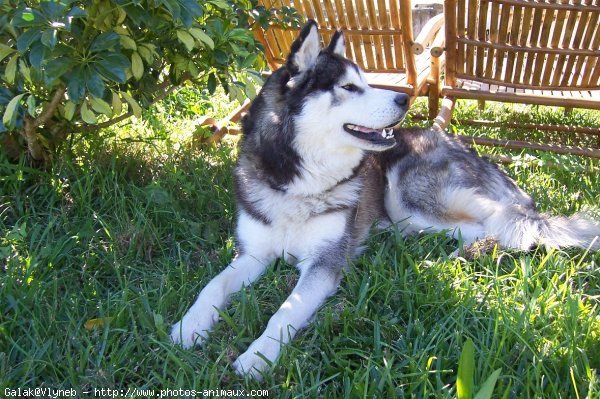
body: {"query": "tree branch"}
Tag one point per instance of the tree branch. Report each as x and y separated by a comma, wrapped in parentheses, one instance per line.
(49, 111)
(90, 128)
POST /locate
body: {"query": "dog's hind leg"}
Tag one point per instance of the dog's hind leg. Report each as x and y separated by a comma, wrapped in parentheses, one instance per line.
(199, 319)
(317, 281)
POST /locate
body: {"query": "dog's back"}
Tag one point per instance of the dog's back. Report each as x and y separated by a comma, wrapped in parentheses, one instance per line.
(436, 183)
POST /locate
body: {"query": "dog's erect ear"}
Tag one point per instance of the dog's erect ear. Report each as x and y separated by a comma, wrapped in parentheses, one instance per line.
(305, 49)
(337, 44)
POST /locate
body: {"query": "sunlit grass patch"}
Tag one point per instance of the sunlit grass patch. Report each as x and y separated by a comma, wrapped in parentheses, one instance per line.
(106, 248)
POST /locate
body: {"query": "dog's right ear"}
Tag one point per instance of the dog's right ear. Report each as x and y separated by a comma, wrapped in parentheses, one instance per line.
(305, 49)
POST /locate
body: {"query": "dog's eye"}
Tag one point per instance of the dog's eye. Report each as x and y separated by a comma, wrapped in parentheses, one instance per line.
(350, 87)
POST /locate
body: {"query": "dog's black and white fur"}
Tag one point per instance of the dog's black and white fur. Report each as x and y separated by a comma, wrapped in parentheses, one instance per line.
(319, 165)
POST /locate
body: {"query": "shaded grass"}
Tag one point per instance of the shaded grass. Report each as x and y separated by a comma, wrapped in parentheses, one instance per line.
(126, 233)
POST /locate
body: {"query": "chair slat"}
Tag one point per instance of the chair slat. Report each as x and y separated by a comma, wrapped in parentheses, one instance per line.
(515, 31)
(536, 28)
(557, 30)
(451, 43)
(588, 42)
(397, 38)
(578, 41)
(523, 39)
(367, 42)
(461, 8)
(489, 66)
(542, 43)
(481, 36)
(502, 38)
(355, 43)
(568, 29)
(375, 40)
(384, 23)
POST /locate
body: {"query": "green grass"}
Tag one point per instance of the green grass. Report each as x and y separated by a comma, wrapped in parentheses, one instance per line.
(128, 225)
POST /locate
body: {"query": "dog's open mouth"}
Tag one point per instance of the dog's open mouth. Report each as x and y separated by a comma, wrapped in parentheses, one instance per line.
(383, 136)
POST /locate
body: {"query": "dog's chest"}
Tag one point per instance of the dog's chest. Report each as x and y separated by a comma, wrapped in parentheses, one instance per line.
(294, 207)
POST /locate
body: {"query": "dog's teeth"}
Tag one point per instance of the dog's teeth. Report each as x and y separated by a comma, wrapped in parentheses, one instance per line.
(352, 127)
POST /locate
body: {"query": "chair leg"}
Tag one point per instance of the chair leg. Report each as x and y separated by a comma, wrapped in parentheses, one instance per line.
(481, 104)
(442, 120)
(234, 116)
(434, 103)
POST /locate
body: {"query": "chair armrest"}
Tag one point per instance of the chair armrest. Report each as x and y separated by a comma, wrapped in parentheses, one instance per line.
(428, 34)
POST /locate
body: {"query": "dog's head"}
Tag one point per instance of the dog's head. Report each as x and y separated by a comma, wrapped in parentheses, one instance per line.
(336, 103)
(318, 107)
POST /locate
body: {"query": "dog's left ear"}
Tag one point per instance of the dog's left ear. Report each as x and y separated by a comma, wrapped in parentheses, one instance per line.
(337, 44)
(305, 49)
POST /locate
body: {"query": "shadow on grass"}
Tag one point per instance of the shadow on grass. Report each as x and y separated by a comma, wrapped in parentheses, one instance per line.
(126, 236)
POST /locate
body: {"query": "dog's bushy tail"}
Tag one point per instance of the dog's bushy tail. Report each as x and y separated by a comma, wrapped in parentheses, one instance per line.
(574, 231)
(525, 230)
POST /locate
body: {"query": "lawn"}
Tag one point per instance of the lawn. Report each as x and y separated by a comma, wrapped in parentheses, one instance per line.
(106, 247)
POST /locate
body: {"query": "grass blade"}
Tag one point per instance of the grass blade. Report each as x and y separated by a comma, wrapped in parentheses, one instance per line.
(466, 369)
(488, 386)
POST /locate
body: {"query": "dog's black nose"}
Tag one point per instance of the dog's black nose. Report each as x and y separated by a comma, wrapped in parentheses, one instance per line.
(402, 100)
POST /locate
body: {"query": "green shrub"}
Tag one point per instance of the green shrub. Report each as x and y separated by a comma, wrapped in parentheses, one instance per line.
(72, 66)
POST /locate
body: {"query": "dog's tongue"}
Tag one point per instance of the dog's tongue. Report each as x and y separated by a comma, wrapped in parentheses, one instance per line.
(364, 129)
(385, 133)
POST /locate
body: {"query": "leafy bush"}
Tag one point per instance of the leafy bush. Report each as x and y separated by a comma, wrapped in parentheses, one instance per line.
(71, 66)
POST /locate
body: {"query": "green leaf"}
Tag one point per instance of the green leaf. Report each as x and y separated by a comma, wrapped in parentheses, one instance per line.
(487, 389)
(27, 38)
(11, 70)
(57, 67)
(77, 12)
(88, 115)
(466, 370)
(93, 82)
(117, 105)
(105, 41)
(10, 113)
(76, 84)
(187, 39)
(29, 17)
(69, 110)
(31, 105)
(127, 43)
(137, 66)
(249, 88)
(221, 56)
(49, 38)
(222, 4)
(101, 106)
(5, 51)
(53, 9)
(146, 54)
(135, 107)
(113, 66)
(24, 70)
(241, 35)
(202, 37)
(212, 83)
(37, 55)
(173, 8)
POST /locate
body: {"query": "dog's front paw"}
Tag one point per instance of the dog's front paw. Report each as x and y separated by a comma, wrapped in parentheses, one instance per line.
(257, 359)
(189, 331)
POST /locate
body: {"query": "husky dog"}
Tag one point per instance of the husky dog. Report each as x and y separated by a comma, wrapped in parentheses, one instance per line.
(319, 164)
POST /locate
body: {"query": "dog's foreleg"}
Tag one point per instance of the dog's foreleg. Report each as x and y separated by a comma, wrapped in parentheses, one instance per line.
(199, 319)
(316, 283)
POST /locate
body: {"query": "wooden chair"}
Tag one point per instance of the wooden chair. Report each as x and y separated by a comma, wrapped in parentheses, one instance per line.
(379, 38)
(522, 51)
